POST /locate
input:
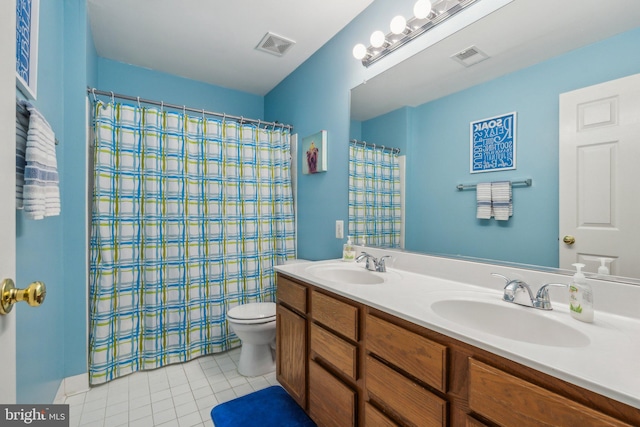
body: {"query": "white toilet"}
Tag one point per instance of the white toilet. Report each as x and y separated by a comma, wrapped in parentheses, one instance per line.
(255, 325)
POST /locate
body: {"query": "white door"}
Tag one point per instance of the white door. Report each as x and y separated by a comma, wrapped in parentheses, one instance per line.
(7, 191)
(600, 176)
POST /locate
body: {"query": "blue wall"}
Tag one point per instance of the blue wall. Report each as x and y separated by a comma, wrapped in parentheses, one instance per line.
(317, 96)
(155, 85)
(440, 130)
(74, 213)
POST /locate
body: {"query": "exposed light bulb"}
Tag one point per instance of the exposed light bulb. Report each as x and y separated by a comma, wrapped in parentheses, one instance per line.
(422, 9)
(377, 39)
(398, 24)
(359, 51)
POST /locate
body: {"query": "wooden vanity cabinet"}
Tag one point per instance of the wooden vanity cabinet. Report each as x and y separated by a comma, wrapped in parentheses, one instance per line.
(348, 364)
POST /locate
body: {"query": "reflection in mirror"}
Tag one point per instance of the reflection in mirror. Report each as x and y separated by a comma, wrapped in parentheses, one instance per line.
(425, 105)
(375, 196)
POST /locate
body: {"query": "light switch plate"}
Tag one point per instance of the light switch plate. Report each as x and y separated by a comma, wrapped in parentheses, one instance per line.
(339, 229)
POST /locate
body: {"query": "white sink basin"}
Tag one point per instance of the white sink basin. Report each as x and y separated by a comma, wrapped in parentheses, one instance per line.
(510, 321)
(349, 273)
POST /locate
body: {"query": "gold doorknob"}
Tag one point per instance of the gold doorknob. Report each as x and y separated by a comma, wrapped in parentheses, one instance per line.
(33, 295)
(569, 240)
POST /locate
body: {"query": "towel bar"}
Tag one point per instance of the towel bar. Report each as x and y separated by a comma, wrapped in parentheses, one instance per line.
(526, 182)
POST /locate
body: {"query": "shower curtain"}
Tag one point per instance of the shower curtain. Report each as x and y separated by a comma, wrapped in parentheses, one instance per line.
(374, 196)
(190, 214)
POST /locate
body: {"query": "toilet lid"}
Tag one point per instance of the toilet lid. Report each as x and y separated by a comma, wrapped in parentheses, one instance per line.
(253, 311)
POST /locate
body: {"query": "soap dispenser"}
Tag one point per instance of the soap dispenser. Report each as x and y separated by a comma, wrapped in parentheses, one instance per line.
(603, 270)
(348, 251)
(580, 296)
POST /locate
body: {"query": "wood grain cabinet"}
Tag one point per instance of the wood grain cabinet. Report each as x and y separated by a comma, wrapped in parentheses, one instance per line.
(348, 364)
(291, 339)
(508, 401)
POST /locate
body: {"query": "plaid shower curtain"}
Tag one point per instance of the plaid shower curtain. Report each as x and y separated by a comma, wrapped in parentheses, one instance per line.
(190, 214)
(374, 196)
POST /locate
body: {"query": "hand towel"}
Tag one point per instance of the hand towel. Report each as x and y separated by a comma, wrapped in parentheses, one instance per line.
(483, 200)
(22, 127)
(501, 199)
(41, 194)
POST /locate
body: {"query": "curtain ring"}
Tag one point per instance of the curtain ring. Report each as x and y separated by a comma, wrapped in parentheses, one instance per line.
(203, 119)
(258, 124)
(383, 148)
(184, 110)
(241, 119)
(113, 101)
(139, 106)
(93, 91)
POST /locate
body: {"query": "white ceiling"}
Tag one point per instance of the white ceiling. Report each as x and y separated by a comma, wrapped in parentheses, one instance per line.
(214, 40)
(516, 36)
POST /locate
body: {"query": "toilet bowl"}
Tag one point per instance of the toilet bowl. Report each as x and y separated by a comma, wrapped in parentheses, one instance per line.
(255, 325)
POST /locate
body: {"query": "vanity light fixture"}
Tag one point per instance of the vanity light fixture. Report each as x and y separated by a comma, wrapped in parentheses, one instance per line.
(427, 14)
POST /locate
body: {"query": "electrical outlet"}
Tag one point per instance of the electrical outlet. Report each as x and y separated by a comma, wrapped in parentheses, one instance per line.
(339, 229)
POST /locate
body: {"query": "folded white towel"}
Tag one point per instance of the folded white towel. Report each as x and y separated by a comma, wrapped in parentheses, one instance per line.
(501, 199)
(41, 194)
(483, 200)
(22, 126)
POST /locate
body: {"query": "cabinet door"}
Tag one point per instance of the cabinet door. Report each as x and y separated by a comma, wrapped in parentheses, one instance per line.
(291, 353)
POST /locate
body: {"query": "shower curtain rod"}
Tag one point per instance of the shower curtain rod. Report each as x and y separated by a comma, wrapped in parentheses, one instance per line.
(369, 144)
(94, 91)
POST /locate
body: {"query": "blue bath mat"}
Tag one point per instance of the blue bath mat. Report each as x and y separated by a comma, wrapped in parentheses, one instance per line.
(269, 407)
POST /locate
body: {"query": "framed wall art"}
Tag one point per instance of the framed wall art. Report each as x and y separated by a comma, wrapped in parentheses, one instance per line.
(314, 153)
(27, 12)
(493, 144)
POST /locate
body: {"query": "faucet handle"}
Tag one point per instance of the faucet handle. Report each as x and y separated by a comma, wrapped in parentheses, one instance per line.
(381, 264)
(542, 300)
(506, 279)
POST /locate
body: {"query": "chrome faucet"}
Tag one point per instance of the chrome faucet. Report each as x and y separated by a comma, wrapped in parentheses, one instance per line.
(517, 290)
(373, 263)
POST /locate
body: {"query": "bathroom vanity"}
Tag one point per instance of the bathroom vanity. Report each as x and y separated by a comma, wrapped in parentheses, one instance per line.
(351, 356)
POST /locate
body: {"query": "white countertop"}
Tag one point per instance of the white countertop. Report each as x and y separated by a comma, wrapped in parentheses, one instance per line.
(609, 364)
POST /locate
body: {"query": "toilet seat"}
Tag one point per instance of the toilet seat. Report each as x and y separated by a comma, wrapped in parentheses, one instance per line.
(253, 313)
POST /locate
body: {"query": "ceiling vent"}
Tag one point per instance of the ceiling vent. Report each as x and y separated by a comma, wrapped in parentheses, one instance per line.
(470, 56)
(275, 44)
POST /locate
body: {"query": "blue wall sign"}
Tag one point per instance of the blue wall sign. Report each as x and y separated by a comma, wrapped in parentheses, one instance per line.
(493, 144)
(27, 46)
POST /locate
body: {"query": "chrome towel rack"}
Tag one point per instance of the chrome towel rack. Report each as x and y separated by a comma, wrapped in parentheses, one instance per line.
(525, 182)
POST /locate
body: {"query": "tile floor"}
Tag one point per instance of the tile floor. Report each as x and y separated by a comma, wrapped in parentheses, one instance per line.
(179, 395)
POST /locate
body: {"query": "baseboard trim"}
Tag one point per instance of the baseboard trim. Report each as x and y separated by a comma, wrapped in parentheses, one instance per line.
(72, 385)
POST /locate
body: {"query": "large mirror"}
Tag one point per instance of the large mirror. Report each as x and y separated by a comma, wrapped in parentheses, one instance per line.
(537, 50)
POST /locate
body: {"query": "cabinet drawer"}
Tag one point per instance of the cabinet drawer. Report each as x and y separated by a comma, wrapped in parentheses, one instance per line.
(334, 350)
(508, 401)
(292, 294)
(413, 353)
(373, 417)
(409, 400)
(336, 315)
(331, 403)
